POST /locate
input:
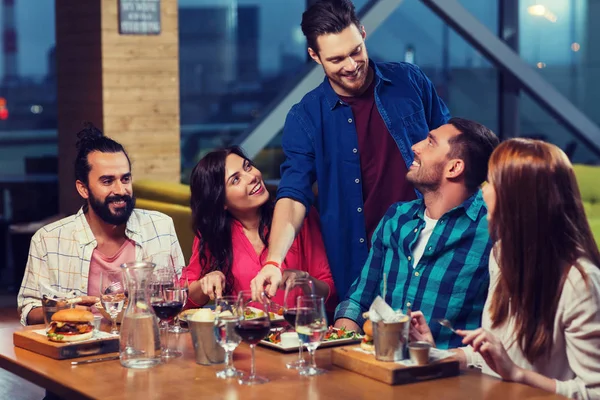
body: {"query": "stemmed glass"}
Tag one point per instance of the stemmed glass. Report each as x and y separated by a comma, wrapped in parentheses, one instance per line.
(253, 326)
(167, 301)
(226, 319)
(112, 295)
(296, 288)
(311, 325)
(185, 288)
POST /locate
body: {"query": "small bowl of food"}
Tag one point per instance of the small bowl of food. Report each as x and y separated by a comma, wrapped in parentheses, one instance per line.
(183, 316)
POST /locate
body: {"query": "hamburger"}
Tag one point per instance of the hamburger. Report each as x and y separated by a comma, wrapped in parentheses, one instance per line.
(71, 325)
(367, 342)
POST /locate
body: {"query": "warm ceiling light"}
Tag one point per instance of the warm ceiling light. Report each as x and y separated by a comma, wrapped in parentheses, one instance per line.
(541, 65)
(550, 17)
(537, 10)
(575, 46)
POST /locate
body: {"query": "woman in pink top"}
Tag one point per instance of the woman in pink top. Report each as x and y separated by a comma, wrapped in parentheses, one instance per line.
(232, 213)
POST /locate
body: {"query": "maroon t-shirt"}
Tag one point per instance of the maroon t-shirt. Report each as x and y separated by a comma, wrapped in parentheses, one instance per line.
(382, 167)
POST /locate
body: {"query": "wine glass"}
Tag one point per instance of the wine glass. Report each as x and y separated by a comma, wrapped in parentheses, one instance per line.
(112, 295)
(293, 289)
(226, 319)
(311, 325)
(252, 326)
(166, 298)
(185, 288)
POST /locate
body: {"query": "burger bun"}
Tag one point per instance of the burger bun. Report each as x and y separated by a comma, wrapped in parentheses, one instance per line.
(367, 346)
(73, 315)
(368, 328)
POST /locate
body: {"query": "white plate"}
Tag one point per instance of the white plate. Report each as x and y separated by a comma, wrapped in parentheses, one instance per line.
(324, 344)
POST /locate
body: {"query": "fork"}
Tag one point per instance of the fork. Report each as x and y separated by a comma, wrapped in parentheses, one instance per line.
(447, 324)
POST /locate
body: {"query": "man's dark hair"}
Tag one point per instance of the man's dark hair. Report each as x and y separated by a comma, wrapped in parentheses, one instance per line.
(326, 17)
(474, 146)
(92, 139)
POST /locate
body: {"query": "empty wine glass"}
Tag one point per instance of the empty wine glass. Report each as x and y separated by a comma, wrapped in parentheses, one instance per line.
(226, 319)
(311, 325)
(296, 288)
(112, 295)
(167, 301)
(253, 326)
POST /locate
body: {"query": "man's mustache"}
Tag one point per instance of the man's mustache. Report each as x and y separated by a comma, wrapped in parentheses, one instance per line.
(111, 199)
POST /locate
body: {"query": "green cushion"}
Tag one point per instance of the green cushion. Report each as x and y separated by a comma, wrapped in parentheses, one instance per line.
(175, 193)
(182, 219)
(588, 179)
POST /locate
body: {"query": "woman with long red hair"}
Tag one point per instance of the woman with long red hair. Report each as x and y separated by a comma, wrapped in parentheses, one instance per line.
(541, 320)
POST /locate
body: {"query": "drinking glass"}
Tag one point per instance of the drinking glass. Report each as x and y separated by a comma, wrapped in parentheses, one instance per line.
(252, 326)
(185, 287)
(296, 288)
(167, 301)
(112, 295)
(226, 320)
(311, 325)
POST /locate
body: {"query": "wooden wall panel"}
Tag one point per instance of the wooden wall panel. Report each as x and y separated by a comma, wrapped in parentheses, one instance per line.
(135, 94)
(139, 72)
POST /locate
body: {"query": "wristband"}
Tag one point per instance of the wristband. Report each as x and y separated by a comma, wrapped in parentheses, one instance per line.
(274, 263)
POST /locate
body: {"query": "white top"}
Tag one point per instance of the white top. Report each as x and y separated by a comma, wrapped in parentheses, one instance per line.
(423, 238)
(574, 359)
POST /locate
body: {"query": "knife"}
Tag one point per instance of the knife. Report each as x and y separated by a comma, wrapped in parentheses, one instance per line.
(93, 360)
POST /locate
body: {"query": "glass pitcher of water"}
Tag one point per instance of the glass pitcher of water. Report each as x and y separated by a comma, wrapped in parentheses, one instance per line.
(139, 345)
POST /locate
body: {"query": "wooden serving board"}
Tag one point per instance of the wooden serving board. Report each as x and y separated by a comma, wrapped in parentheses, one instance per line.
(32, 341)
(391, 373)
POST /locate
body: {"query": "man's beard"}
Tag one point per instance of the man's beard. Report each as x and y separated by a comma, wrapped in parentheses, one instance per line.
(354, 88)
(102, 208)
(427, 181)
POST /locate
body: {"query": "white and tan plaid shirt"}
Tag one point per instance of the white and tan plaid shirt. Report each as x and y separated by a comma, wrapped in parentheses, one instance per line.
(60, 253)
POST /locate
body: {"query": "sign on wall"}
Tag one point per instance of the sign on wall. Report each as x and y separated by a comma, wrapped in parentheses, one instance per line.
(139, 17)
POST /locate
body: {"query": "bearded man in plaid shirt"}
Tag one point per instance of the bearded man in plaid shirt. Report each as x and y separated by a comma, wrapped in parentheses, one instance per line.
(433, 251)
(69, 255)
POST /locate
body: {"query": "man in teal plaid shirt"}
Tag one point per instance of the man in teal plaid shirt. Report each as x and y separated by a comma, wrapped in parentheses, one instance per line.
(434, 251)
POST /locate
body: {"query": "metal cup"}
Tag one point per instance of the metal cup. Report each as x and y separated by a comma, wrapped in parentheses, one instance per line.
(390, 339)
(208, 351)
(51, 306)
(419, 352)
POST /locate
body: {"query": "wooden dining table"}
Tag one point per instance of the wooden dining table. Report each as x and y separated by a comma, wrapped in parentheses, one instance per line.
(182, 378)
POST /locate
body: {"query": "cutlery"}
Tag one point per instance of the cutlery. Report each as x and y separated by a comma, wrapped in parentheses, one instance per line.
(94, 360)
(447, 324)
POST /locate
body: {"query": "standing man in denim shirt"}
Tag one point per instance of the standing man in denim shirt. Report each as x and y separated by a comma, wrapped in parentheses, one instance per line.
(353, 135)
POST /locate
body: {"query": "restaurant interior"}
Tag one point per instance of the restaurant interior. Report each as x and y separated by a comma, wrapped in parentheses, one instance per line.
(192, 76)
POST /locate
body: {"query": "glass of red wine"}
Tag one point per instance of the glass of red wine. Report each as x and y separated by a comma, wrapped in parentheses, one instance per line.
(295, 288)
(167, 299)
(252, 327)
(185, 285)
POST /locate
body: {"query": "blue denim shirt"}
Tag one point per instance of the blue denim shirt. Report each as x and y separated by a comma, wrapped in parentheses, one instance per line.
(320, 143)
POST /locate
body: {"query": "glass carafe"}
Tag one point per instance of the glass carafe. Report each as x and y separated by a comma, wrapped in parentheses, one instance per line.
(139, 345)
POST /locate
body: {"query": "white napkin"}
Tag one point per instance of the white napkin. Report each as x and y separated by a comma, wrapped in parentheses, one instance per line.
(97, 335)
(381, 311)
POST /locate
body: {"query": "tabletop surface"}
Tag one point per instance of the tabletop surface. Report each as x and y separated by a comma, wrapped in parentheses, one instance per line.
(183, 378)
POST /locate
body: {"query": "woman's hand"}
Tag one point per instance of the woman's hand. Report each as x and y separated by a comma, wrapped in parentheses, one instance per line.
(419, 330)
(213, 284)
(493, 352)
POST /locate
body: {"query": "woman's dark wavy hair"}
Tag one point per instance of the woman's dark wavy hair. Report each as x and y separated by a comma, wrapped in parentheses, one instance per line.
(211, 221)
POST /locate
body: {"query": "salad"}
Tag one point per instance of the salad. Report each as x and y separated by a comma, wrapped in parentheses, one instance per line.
(331, 334)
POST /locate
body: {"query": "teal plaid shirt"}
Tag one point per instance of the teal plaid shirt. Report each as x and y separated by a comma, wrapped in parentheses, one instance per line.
(451, 279)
